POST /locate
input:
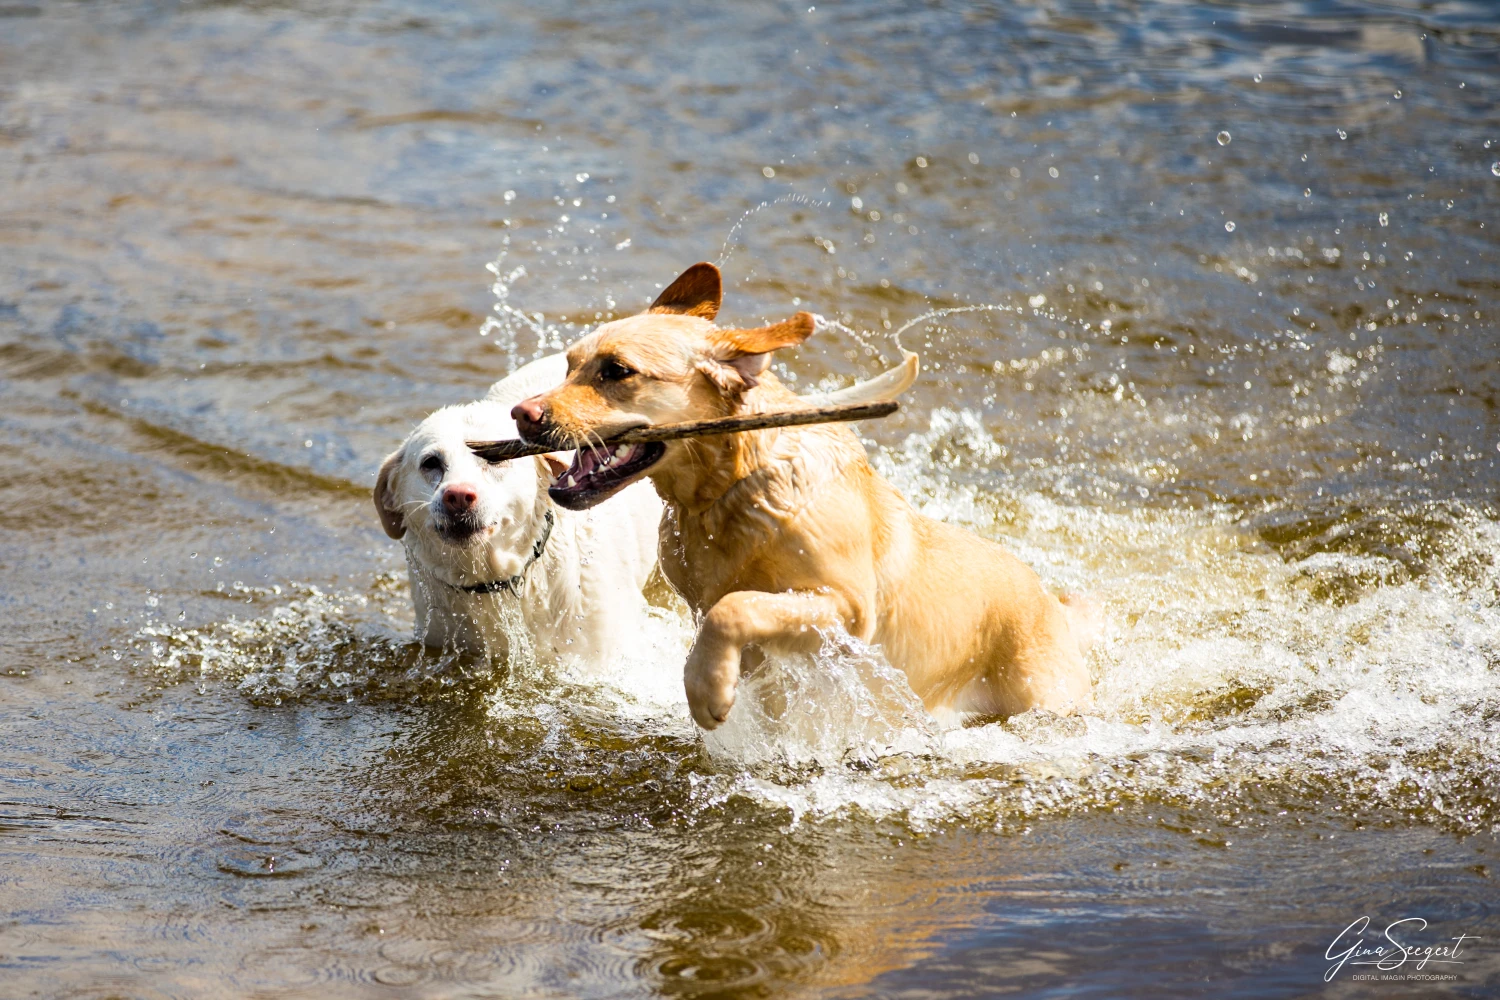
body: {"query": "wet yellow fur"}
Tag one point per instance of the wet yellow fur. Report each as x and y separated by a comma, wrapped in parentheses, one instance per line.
(775, 536)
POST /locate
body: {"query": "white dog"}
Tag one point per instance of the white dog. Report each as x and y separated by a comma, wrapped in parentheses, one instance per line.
(478, 535)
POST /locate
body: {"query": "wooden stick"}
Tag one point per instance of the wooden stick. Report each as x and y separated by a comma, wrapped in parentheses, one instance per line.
(502, 451)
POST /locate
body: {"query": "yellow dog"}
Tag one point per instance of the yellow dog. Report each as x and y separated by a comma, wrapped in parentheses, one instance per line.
(775, 537)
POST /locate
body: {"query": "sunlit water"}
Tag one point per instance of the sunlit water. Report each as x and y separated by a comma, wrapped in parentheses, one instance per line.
(1205, 297)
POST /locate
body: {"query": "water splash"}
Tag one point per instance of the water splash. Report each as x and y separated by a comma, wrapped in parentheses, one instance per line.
(954, 311)
(510, 324)
(844, 705)
(868, 340)
(338, 646)
(1233, 676)
(728, 247)
(1243, 671)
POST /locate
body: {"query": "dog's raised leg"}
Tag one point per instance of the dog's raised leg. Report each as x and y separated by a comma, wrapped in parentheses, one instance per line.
(788, 622)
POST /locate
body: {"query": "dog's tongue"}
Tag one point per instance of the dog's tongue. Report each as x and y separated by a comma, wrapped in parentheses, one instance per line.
(585, 463)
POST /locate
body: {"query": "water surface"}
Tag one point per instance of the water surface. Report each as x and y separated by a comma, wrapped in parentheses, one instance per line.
(1236, 373)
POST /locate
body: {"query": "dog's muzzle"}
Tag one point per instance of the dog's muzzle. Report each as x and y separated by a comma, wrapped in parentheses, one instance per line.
(458, 529)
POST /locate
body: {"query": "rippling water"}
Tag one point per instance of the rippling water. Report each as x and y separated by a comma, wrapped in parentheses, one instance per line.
(1235, 371)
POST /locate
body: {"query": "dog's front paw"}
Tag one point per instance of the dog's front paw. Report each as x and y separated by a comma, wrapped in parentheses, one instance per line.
(710, 703)
(710, 682)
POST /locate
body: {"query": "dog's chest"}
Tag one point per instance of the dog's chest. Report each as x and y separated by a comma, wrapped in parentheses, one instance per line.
(748, 539)
(706, 557)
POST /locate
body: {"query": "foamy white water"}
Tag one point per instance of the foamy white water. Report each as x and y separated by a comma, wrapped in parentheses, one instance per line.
(1226, 675)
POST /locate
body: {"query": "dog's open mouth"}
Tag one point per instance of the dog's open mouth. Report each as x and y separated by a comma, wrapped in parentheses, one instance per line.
(598, 473)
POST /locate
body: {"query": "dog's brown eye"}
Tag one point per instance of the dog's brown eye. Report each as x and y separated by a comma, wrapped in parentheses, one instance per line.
(613, 371)
(432, 463)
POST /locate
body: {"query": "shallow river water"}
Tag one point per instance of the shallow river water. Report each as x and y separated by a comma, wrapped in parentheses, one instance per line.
(1237, 374)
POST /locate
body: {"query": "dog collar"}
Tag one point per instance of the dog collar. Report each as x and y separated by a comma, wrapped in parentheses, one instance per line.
(513, 583)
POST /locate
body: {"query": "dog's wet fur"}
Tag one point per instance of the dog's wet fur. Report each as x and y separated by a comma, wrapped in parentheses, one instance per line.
(776, 538)
(471, 527)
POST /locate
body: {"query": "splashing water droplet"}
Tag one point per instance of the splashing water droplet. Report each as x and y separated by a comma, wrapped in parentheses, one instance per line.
(1343, 134)
(768, 171)
(1385, 219)
(1495, 168)
(1257, 78)
(1052, 172)
(1224, 138)
(1229, 227)
(510, 196)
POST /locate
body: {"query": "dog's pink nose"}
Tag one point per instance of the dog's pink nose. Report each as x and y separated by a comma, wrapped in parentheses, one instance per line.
(529, 415)
(459, 497)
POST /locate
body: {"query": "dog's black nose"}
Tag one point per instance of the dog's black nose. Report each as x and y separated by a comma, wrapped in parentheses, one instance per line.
(530, 416)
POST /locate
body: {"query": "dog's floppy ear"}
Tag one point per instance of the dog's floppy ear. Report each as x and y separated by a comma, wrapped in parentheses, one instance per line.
(696, 292)
(390, 518)
(765, 339)
(738, 356)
